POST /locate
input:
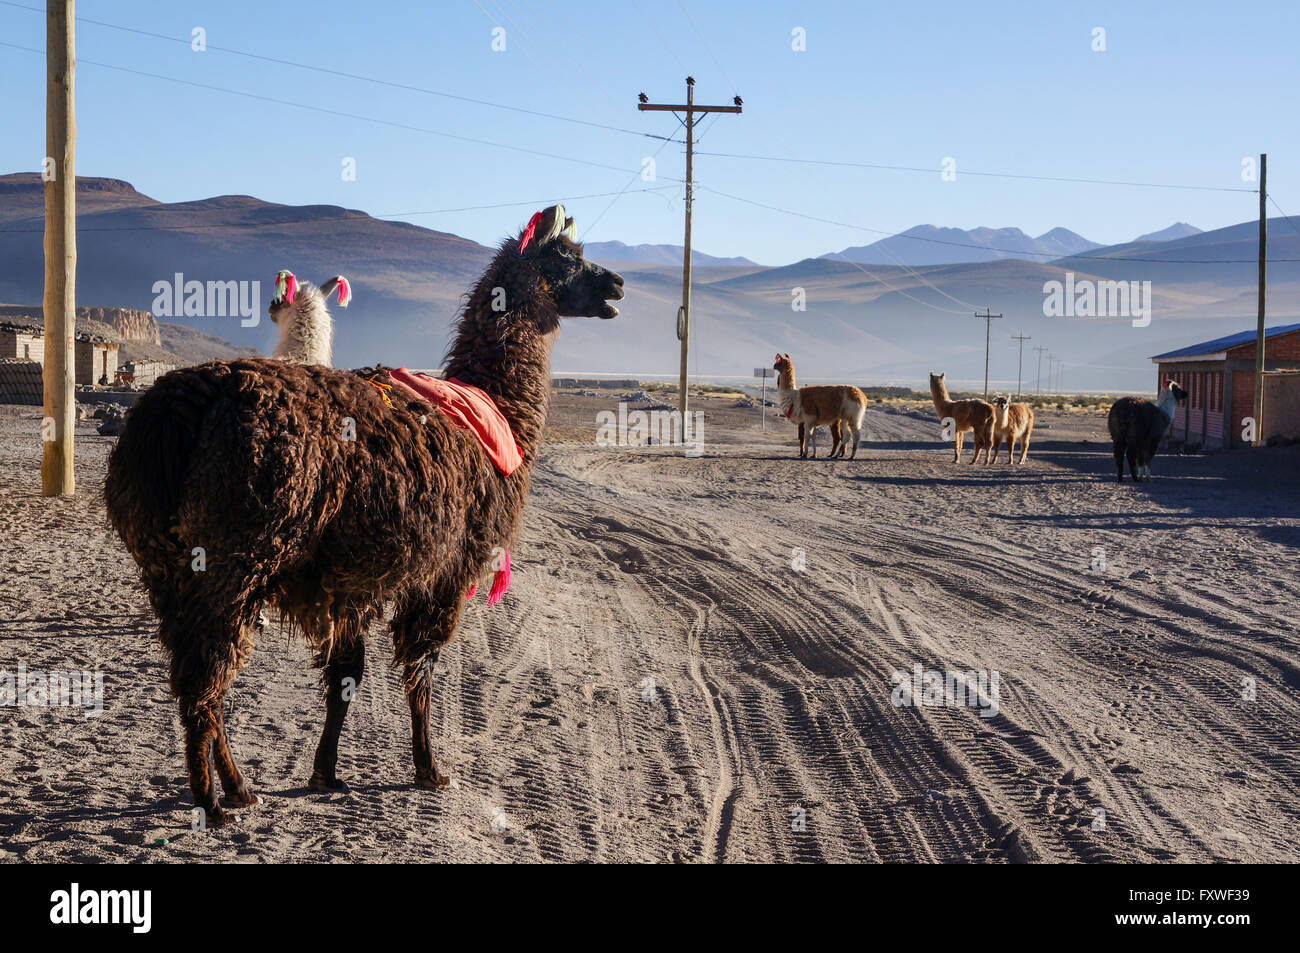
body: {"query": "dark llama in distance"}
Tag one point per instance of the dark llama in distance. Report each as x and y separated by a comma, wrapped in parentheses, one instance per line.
(250, 460)
(1137, 426)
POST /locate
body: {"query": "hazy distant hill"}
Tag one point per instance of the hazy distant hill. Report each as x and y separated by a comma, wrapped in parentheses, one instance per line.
(657, 255)
(407, 280)
(891, 325)
(1176, 230)
(928, 245)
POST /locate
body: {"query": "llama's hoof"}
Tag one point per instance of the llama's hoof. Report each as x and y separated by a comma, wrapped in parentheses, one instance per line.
(217, 816)
(319, 782)
(242, 797)
(437, 780)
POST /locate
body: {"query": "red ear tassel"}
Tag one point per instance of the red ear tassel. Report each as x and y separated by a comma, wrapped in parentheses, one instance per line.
(531, 230)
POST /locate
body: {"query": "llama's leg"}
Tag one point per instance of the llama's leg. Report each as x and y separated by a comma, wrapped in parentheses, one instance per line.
(232, 782)
(1024, 445)
(956, 447)
(342, 677)
(837, 439)
(1133, 462)
(419, 687)
(857, 439)
(200, 719)
(1118, 449)
(803, 437)
(421, 627)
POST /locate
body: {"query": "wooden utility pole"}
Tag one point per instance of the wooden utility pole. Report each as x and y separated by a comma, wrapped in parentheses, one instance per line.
(684, 313)
(988, 323)
(1020, 362)
(1040, 349)
(1259, 325)
(60, 250)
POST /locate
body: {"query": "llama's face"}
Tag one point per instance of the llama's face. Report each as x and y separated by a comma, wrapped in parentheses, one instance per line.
(937, 378)
(782, 362)
(580, 288)
(1180, 395)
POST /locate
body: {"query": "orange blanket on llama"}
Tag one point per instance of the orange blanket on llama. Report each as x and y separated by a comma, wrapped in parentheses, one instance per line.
(470, 408)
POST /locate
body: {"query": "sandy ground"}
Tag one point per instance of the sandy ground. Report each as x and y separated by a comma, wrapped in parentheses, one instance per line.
(661, 685)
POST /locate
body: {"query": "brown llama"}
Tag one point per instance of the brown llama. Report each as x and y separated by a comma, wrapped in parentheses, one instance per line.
(840, 407)
(329, 495)
(974, 415)
(1011, 422)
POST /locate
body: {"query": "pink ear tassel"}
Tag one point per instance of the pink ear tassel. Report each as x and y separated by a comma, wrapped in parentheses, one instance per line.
(500, 581)
(345, 291)
(472, 589)
(529, 232)
(291, 287)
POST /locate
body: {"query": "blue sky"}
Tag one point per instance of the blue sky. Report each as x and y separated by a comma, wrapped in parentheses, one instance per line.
(1182, 93)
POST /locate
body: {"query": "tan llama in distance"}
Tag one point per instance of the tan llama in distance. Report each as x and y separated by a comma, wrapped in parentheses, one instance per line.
(840, 407)
(1011, 422)
(974, 415)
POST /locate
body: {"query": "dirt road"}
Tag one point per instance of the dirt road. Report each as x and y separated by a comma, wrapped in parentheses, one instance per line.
(694, 664)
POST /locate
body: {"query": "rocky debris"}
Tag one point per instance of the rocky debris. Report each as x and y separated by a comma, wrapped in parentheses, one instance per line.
(112, 420)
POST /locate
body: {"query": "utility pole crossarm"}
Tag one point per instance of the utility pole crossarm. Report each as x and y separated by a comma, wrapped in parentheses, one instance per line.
(662, 108)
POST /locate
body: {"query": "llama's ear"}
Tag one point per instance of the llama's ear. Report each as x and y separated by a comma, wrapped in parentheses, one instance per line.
(286, 286)
(554, 220)
(570, 229)
(344, 289)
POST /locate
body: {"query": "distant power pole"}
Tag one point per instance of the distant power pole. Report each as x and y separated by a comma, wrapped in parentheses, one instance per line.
(1050, 361)
(1259, 328)
(60, 298)
(684, 314)
(1022, 338)
(1040, 349)
(988, 323)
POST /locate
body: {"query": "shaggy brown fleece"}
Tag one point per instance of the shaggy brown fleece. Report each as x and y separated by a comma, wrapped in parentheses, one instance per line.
(973, 415)
(238, 483)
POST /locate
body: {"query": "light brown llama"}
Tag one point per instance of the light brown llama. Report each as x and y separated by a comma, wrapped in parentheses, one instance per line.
(973, 414)
(327, 495)
(840, 407)
(1011, 422)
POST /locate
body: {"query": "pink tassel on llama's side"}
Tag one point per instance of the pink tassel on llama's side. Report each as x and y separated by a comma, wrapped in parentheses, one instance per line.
(500, 582)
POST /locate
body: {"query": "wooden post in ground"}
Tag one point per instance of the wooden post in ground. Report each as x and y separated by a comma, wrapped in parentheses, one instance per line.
(1259, 327)
(57, 478)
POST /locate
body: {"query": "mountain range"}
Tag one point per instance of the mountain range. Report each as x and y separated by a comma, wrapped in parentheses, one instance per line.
(884, 323)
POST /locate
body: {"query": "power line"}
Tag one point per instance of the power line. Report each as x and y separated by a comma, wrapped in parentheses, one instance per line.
(327, 111)
(1285, 216)
(1000, 175)
(1010, 251)
(344, 74)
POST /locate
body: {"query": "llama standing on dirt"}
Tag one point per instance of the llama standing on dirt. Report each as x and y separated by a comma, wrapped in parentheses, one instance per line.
(306, 328)
(1137, 426)
(1011, 422)
(838, 406)
(973, 415)
(330, 493)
